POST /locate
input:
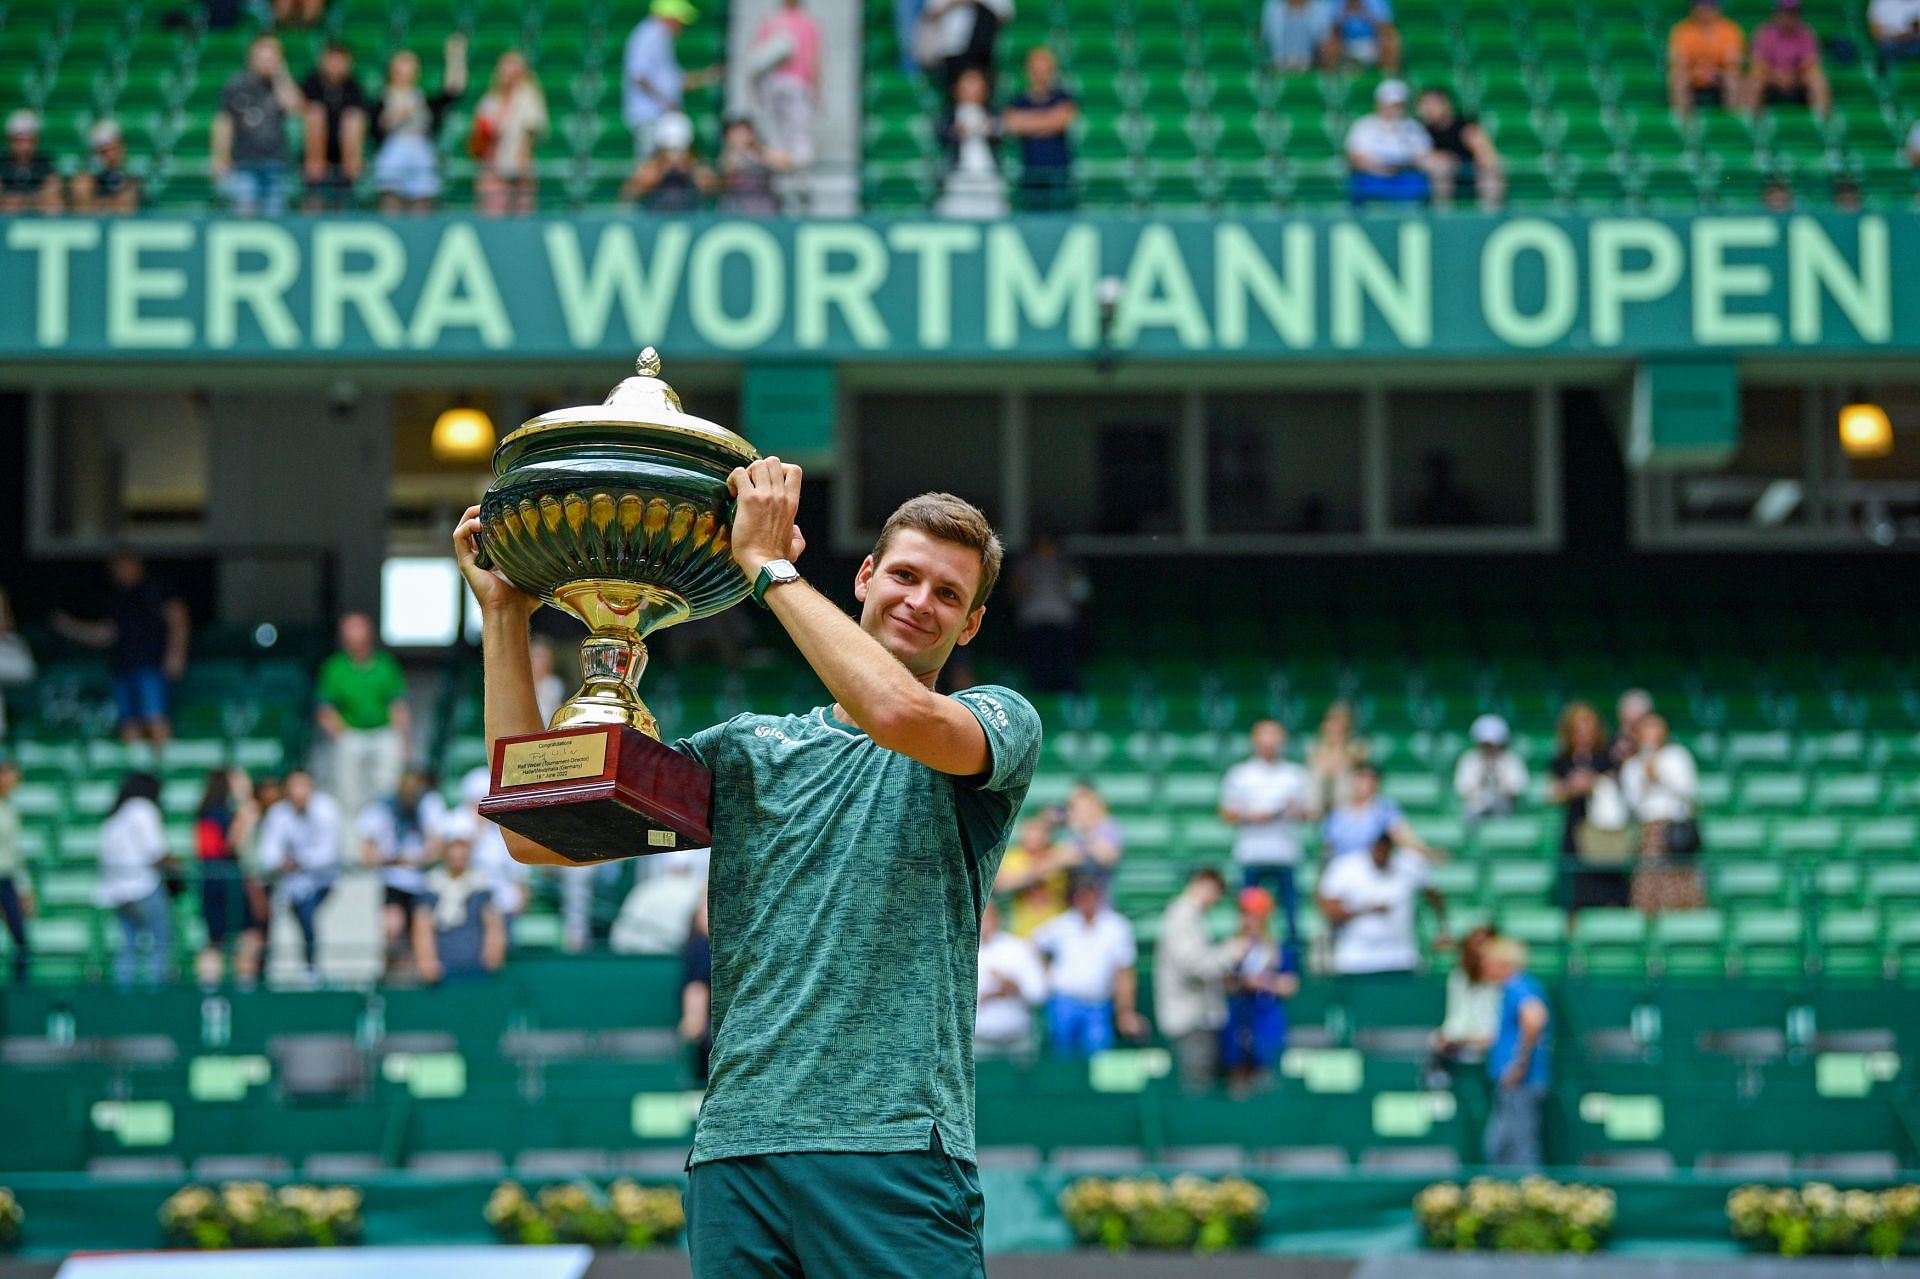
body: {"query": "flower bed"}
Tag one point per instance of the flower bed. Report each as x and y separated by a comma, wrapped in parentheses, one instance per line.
(1188, 1214)
(1817, 1218)
(627, 1215)
(1532, 1215)
(12, 1217)
(252, 1214)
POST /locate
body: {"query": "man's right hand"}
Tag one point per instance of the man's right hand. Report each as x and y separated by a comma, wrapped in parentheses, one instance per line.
(495, 593)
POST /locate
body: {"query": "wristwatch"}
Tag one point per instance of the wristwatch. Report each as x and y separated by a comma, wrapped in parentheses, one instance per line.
(773, 573)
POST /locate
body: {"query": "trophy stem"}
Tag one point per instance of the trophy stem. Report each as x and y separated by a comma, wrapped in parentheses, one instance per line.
(610, 691)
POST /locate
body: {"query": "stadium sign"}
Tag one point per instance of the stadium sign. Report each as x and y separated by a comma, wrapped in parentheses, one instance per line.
(1022, 289)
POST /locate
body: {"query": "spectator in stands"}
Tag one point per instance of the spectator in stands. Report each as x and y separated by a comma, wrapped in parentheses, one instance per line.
(1704, 52)
(1521, 1059)
(1299, 34)
(1091, 834)
(1660, 782)
(133, 852)
(965, 35)
(671, 180)
(696, 993)
(747, 172)
(249, 142)
(1786, 64)
(973, 186)
(785, 63)
(222, 826)
(1368, 902)
(657, 913)
(1472, 1013)
(1490, 777)
(1012, 984)
(1335, 754)
(16, 889)
(268, 790)
(1090, 956)
(28, 181)
(457, 931)
(1189, 978)
(145, 633)
(336, 130)
(1895, 25)
(1040, 118)
(1391, 156)
(406, 128)
(549, 690)
(510, 118)
(300, 849)
(1266, 797)
(1595, 839)
(1265, 978)
(490, 854)
(1050, 591)
(1033, 872)
(104, 186)
(1846, 194)
(1358, 824)
(1364, 33)
(652, 80)
(364, 713)
(16, 658)
(298, 13)
(1463, 154)
(1634, 705)
(1777, 195)
(400, 837)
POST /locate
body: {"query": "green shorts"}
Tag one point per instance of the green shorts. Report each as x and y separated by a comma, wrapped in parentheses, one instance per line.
(914, 1215)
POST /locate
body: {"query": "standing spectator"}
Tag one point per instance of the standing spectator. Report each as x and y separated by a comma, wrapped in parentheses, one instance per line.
(250, 132)
(549, 690)
(696, 993)
(1634, 705)
(509, 119)
(1896, 28)
(1364, 33)
(456, 930)
(363, 711)
(1033, 872)
(1459, 1061)
(973, 186)
(28, 180)
(16, 658)
(400, 836)
(670, 180)
(1267, 797)
(1704, 52)
(1355, 826)
(1335, 754)
(1094, 838)
(1012, 983)
(225, 820)
(1490, 777)
(1299, 34)
(1521, 1060)
(145, 633)
(105, 186)
(653, 82)
(785, 60)
(1391, 156)
(1660, 783)
(298, 13)
(1595, 841)
(406, 126)
(1090, 956)
(133, 847)
(747, 172)
(268, 790)
(1786, 64)
(1368, 901)
(967, 32)
(16, 890)
(1189, 975)
(300, 847)
(336, 130)
(1040, 118)
(1258, 989)
(1463, 154)
(1049, 591)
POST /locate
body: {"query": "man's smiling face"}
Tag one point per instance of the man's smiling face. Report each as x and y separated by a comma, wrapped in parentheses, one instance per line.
(918, 600)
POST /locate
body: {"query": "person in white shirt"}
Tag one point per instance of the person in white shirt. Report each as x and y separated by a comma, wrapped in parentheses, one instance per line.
(1896, 28)
(1013, 982)
(1189, 978)
(1090, 956)
(133, 845)
(657, 915)
(300, 847)
(1369, 900)
(1267, 797)
(549, 690)
(508, 877)
(1660, 782)
(1490, 778)
(1391, 153)
(401, 838)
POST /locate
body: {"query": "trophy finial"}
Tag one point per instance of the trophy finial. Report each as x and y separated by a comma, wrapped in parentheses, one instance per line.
(648, 365)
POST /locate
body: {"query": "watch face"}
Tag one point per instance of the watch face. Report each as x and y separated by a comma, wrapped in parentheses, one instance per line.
(782, 571)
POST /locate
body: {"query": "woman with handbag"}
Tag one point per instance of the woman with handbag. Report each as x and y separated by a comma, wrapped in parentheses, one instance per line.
(1660, 784)
(509, 120)
(1596, 842)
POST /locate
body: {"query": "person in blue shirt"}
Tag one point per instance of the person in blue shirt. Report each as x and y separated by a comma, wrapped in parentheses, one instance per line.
(1521, 1060)
(1354, 826)
(1267, 975)
(1040, 118)
(1364, 33)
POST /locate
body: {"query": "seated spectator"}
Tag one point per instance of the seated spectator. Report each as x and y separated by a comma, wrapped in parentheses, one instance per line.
(747, 172)
(1363, 32)
(16, 658)
(1660, 782)
(1091, 834)
(973, 187)
(222, 826)
(1356, 825)
(145, 634)
(16, 889)
(1704, 52)
(510, 118)
(1040, 118)
(962, 38)
(1463, 154)
(298, 13)
(406, 129)
(696, 992)
(133, 852)
(1033, 872)
(1491, 777)
(1335, 754)
(1895, 25)
(457, 931)
(1595, 839)
(400, 837)
(490, 853)
(1189, 978)
(1521, 1059)
(28, 180)
(1012, 984)
(1266, 797)
(658, 912)
(1786, 64)
(670, 180)
(1391, 156)
(249, 142)
(1368, 902)
(300, 851)
(1265, 978)
(1299, 34)
(1090, 956)
(785, 62)
(336, 130)
(105, 187)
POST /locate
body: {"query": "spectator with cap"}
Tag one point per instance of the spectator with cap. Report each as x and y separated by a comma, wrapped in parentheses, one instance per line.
(1490, 777)
(105, 186)
(785, 63)
(16, 889)
(1012, 984)
(1364, 33)
(1391, 155)
(1353, 827)
(406, 127)
(652, 80)
(363, 711)
(1368, 901)
(457, 930)
(1895, 25)
(1299, 34)
(300, 850)
(145, 633)
(1090, 956)
(1265, 976)
(249, 143)
(1704, 52)
(336, 130)
(1787, 70)
(1520, 1060)
(1040, 118)
(28, 181)
(1189, 978)
(1266, 797)
(1463, 154)
(672, 179)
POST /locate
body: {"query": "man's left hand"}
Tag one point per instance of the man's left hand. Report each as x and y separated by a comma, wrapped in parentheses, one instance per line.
(766, 501)
(1130, 1025)
(1514, 1075)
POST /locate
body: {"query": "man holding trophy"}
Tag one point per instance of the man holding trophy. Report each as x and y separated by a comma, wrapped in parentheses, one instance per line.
(854, 844)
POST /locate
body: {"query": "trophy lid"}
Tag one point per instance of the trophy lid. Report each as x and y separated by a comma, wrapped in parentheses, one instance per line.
(644, 401)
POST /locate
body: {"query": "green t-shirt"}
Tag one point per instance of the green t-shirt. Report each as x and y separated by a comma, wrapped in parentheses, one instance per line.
(364, 695)
(844, 901)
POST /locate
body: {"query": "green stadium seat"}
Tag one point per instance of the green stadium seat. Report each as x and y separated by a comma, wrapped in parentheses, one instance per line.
(1520, 883)
(1885, 837)
(1515, 834)
(1747, 884)
(1894, 888)
(1773, 792)
(1809, 837)
(1544, 930)
(1734, 836)
(1690, 943)
(1850, 945)
(1769, 944)
(1610, 943)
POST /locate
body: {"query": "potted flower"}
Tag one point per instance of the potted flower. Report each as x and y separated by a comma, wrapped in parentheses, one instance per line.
(1532, 1215)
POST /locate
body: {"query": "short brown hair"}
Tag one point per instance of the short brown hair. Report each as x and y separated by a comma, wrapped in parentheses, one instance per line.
(949, 519)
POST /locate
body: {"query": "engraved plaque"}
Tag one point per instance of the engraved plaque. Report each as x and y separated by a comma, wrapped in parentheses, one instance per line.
(553, 759)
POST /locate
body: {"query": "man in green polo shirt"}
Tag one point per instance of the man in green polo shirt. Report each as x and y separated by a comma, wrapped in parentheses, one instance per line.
(363, 709)
(854, 847)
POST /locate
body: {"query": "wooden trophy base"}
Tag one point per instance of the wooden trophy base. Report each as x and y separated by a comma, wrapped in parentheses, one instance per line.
(599, 793)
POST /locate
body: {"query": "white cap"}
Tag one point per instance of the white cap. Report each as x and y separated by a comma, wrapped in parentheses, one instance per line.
(672, 132)
(1390, 91)
(104, 134)
(460, 825)
(1489, 730)
(23, 124)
